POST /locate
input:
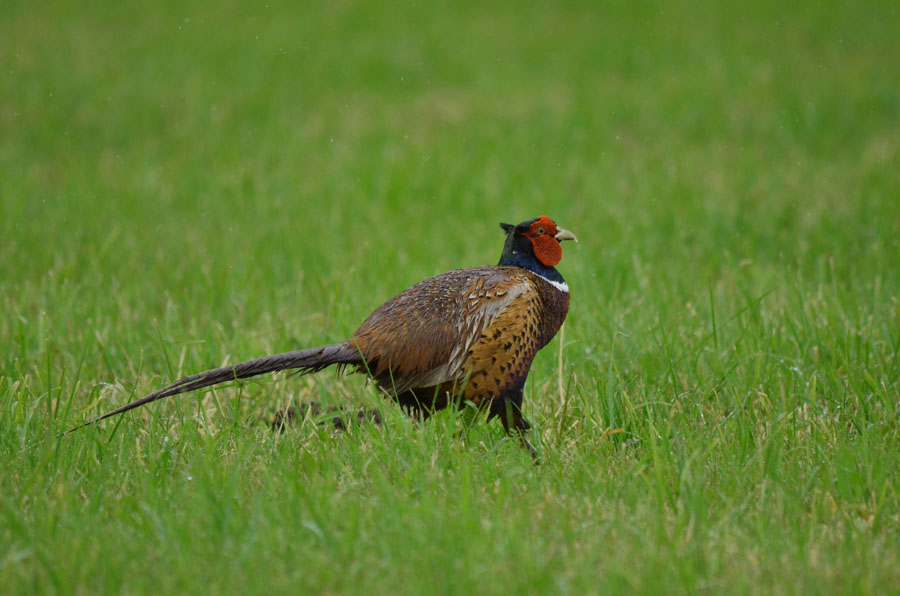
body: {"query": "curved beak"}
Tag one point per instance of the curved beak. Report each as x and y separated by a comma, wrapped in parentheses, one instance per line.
(563, 234)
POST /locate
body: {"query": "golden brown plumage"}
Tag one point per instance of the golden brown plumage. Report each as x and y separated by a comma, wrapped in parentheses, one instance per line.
(467, 335)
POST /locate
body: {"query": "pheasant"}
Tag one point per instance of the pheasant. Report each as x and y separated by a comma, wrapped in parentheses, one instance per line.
(469, 335)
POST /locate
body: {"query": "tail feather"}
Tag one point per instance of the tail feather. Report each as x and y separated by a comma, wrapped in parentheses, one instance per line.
(308, 361)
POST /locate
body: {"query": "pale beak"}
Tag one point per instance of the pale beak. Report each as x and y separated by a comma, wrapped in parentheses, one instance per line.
(563, 234)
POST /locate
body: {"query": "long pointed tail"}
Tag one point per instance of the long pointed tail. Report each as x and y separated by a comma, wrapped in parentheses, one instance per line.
(308, 361)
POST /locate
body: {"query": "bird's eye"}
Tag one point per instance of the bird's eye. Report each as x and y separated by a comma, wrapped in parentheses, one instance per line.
(540, 230)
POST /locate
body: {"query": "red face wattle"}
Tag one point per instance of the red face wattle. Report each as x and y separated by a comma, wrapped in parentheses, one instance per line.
(546, 247)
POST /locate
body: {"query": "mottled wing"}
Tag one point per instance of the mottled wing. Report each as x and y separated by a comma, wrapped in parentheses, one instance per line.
(422, 337)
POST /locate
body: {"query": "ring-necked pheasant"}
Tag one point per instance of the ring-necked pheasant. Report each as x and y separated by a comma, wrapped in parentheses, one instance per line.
(466, 335)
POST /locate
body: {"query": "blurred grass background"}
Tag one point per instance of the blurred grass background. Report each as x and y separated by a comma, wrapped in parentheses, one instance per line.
(188, 184)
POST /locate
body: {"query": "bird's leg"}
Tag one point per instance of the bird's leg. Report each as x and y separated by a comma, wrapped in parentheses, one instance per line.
(512, 419)
(468, 414)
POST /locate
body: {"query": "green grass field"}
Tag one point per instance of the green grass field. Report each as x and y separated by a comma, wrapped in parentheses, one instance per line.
(183, 186)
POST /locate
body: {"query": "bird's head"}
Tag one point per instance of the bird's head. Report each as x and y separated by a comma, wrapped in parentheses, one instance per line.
(536, 238)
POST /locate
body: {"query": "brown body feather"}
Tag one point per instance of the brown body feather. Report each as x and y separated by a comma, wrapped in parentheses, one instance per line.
(470, 333)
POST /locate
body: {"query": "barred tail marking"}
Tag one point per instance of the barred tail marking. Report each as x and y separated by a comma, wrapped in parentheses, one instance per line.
(309, 360)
